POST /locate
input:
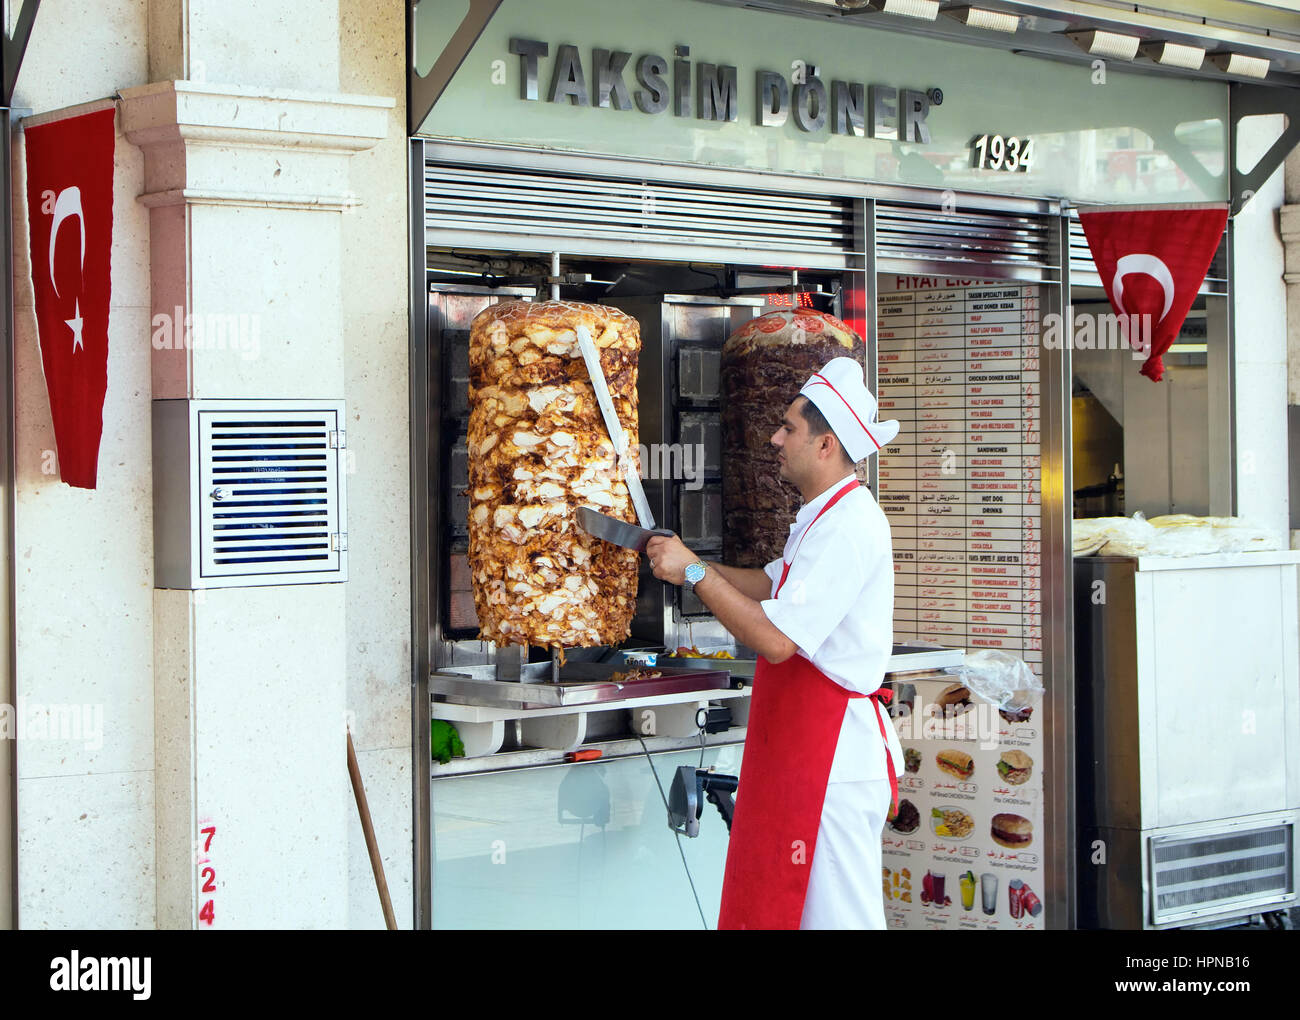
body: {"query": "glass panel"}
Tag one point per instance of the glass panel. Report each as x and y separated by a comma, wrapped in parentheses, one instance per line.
(574, 846)
(1204, 138)
(1139, 445)
(433, 24)
(1097, 133)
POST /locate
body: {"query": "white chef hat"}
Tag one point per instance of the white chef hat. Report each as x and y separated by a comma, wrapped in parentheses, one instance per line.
(842, 396)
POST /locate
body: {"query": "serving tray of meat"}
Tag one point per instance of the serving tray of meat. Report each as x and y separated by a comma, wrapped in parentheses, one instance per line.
(579, 683)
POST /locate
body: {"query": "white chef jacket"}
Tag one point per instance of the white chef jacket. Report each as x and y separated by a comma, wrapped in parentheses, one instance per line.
(837, 605)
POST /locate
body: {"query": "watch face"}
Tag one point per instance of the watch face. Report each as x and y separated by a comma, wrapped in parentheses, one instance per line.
(694, 572)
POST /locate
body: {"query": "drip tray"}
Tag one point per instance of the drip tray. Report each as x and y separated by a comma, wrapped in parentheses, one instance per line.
(579, 683)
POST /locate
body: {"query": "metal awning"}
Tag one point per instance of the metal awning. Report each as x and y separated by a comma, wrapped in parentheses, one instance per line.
(1262, 30)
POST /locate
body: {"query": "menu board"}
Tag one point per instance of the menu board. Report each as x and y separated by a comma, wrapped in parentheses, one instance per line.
(961, 486)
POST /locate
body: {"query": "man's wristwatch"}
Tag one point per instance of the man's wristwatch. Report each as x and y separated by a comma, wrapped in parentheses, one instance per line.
(695, 574)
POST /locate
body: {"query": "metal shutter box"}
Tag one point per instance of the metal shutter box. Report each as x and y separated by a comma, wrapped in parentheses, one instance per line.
(921, 239)
(248, 492)
(515, 209)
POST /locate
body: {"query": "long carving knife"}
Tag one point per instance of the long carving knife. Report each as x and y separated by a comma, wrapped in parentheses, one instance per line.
(616, 434)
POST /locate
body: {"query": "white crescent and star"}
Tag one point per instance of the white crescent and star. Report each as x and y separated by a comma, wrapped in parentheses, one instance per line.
(66, 205)
(75, 324)
(1150, 266)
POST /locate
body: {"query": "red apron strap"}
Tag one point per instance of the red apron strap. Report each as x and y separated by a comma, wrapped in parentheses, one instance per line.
(877, 697)
(785, 564)
(882, 695)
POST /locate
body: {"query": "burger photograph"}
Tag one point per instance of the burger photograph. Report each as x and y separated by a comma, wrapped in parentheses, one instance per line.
(1012, 831)
(1015, 767)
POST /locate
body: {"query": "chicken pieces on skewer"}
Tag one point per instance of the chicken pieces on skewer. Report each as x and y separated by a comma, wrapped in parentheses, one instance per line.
(538, 450)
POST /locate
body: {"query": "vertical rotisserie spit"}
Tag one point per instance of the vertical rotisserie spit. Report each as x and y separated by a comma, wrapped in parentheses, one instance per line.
(764, 365)
(538, 450)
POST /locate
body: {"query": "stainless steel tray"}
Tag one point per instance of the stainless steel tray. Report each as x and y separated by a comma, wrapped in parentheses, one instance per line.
(905, 659)
(579, 683)
(736, 667)
(908, 659)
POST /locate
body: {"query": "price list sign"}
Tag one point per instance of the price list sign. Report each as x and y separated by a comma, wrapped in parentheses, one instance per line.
(959, 368)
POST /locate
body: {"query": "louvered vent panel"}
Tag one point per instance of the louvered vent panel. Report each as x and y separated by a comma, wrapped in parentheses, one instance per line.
(1003, 243)
(1208, 873)
(546, 212)
(271, 481)
(249, 492)
(1083, 270)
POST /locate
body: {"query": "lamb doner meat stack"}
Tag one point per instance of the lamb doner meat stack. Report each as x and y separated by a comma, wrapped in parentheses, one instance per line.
(764, 366)
(538, 450)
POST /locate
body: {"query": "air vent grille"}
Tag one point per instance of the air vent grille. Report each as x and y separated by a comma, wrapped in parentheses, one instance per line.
(1194, 876)
(249, 492)
(271, 503)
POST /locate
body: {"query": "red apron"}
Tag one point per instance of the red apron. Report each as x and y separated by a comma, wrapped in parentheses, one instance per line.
(795, 716)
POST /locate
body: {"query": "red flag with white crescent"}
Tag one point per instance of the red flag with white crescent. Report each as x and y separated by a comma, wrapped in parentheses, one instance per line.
(70, 221)
(1152, 261)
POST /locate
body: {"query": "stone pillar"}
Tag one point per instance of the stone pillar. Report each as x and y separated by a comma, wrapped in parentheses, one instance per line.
(1260, 342)
(245, 186)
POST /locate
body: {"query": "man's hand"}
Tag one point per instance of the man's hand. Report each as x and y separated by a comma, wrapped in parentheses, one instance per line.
(669, 558)
(740, 614)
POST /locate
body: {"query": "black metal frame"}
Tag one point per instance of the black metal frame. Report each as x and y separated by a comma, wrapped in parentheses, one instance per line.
(421, 579)
(1253, 101)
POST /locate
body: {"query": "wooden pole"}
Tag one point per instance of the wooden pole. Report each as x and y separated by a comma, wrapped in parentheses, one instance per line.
(376, 862)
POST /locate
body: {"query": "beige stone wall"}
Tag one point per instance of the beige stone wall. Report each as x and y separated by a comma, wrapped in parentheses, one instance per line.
(84, 558)
(376, 369)
(92, 630)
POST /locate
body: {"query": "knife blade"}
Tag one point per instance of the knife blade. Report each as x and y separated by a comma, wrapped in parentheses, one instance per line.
(616, 434)
(611, 529)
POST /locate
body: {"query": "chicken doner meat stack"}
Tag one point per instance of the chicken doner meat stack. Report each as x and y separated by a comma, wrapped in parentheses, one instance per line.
(538, 450)
(764, 366)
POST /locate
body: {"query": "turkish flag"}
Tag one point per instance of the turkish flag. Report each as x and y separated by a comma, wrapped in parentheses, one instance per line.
(70, 221)
(1152, 260)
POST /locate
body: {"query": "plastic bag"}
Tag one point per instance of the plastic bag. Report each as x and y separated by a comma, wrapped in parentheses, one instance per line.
(1113, 536)
(1181, 535)
(998, 677)
(1215, 534)
(1170, 535)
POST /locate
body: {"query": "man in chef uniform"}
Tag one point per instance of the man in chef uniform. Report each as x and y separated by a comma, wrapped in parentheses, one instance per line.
(819, 773)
